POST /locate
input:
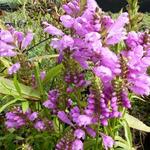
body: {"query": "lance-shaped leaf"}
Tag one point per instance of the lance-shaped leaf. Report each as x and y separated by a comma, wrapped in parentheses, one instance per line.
(136, 123)
(53, 72)
(5, 62)
(9, 104)
(7, 87)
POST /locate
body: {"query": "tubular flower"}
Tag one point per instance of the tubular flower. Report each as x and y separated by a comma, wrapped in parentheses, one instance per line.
(137, 63)
(14, 68)
(51, 103)
(107, 141)
(17, 119)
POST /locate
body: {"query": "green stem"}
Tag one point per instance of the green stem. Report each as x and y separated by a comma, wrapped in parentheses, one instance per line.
(98, 125)
(40, 86)
(123, 112)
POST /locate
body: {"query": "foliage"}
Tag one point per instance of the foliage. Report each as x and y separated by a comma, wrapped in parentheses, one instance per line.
(76, 93)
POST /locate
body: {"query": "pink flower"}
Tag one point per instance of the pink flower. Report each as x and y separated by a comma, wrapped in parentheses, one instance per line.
(67, 21)
(19, 36)
(92, 36)
(107, 141)
(7, 53)
(42, 75)
(6, 36)
(72, 8)
(63, 117)
(107, 22)
(103, 72)
(39, 125)
(116, 31)
(79, 134)
(84, 120)
(60, 44)
(33, 116)
(52, 30)
(77, 145)
(14, 68)
(91, 4)
(91, 132)
(27, 40)
(6, 50)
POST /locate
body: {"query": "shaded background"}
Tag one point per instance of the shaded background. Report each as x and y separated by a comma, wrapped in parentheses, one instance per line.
(107, 5)
(117, 5)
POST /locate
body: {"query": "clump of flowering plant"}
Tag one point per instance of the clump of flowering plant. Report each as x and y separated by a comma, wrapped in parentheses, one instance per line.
(102, 65)
(116, 74)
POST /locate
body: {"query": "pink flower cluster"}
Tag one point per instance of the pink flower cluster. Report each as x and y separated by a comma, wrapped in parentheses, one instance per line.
(12, 43)
(92, 41)
(93, 38)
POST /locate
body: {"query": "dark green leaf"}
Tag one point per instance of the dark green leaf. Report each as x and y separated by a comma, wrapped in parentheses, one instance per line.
(8, 104)
(53, 72)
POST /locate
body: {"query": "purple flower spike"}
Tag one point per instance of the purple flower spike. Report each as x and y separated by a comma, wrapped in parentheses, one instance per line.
(14, 68)
(14, 120)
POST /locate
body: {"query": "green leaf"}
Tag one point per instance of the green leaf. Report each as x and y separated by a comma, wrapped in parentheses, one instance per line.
(57, 126)
(7, 87)
(38, 79)
(19, 138)
(5, 62)
(25, 106)
(121, 144)
(127, 133)
(8, 104)
(136, 123)
(119, 138)
(53, 72)
(137, 97)
(89, 144)
(16, 83)
(124, 146)
(120, 148)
